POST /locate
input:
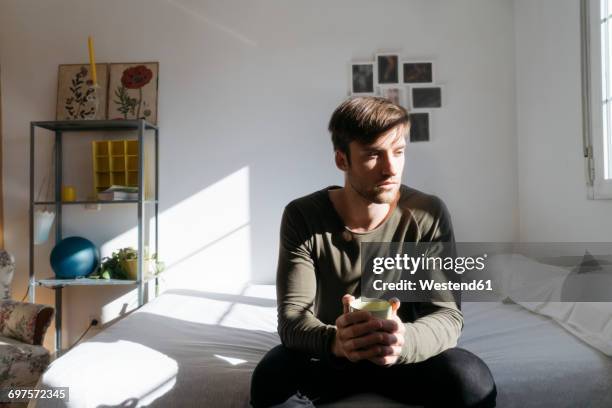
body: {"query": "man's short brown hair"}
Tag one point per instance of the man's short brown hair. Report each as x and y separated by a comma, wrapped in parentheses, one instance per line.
(363, 119)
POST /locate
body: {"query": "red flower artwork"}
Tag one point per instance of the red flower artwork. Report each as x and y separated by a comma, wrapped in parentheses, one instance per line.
(136, 77)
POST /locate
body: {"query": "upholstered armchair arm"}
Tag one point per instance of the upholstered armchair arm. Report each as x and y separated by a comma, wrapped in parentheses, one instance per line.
(43, 320)
(26, 322)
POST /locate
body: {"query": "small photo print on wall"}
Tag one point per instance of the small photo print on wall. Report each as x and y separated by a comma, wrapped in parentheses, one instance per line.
(388, 68)
(133, 91)
(77, 98)
(395, 94)
(419, 127)
(362, 78)
(418, 72)
(426, 97)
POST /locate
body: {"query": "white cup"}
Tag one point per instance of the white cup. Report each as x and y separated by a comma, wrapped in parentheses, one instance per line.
(379, 308)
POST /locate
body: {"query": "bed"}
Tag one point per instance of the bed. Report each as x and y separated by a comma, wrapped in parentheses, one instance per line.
(191, 348)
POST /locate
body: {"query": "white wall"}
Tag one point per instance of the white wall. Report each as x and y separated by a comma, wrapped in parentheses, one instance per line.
(552, 190)
(246, 90)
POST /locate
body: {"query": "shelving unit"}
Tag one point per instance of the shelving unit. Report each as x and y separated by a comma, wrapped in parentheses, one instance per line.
(130, 149)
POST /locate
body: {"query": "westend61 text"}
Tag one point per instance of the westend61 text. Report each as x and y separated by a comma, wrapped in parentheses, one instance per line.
(430, 284)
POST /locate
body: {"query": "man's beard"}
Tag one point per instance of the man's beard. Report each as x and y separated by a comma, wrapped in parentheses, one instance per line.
(376, 195)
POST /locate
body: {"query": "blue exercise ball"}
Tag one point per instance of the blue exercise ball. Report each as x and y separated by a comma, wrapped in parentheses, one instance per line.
(74, 257)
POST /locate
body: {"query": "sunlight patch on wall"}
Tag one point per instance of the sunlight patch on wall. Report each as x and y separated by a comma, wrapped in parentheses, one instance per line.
(205, 242)
(205, 239)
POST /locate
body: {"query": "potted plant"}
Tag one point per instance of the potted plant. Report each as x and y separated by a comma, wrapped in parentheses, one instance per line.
(128, 258)
(123, 264)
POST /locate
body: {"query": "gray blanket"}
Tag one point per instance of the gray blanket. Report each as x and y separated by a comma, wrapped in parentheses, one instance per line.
(197, 349)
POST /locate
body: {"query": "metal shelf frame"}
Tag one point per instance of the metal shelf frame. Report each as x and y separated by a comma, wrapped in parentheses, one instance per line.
(61, 127)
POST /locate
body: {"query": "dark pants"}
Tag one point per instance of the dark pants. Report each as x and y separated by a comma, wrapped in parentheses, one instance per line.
(454, 378)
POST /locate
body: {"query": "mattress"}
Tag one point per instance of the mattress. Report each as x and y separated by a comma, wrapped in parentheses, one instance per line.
(197, 349)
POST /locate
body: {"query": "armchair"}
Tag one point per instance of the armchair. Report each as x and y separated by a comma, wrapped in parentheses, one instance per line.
(22, 329)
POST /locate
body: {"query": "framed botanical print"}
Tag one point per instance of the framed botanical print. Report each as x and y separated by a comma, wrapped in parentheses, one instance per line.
(77, 97)
(132, 92)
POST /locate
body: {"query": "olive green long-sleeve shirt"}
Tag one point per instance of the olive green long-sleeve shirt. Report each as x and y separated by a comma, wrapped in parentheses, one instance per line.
(319, 263)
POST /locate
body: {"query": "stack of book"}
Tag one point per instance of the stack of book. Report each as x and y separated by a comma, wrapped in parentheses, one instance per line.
(118, 193)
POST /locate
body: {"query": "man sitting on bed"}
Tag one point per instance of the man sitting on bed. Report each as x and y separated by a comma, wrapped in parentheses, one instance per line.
(328, 353)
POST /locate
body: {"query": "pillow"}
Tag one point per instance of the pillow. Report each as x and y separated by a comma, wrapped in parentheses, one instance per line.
(26, 322)
(570, 262)
(589, 281)
(589, 263)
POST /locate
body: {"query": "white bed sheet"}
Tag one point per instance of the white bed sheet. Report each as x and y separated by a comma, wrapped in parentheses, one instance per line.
(197, 349)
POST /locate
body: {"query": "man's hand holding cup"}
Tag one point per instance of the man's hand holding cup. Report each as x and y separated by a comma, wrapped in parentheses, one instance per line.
(369, 330)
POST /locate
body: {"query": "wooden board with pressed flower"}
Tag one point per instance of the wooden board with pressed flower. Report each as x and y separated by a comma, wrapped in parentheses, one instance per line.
(77, 98)
(132, 92)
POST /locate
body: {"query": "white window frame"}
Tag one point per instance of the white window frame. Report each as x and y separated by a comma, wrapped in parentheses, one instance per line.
(597, 131)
